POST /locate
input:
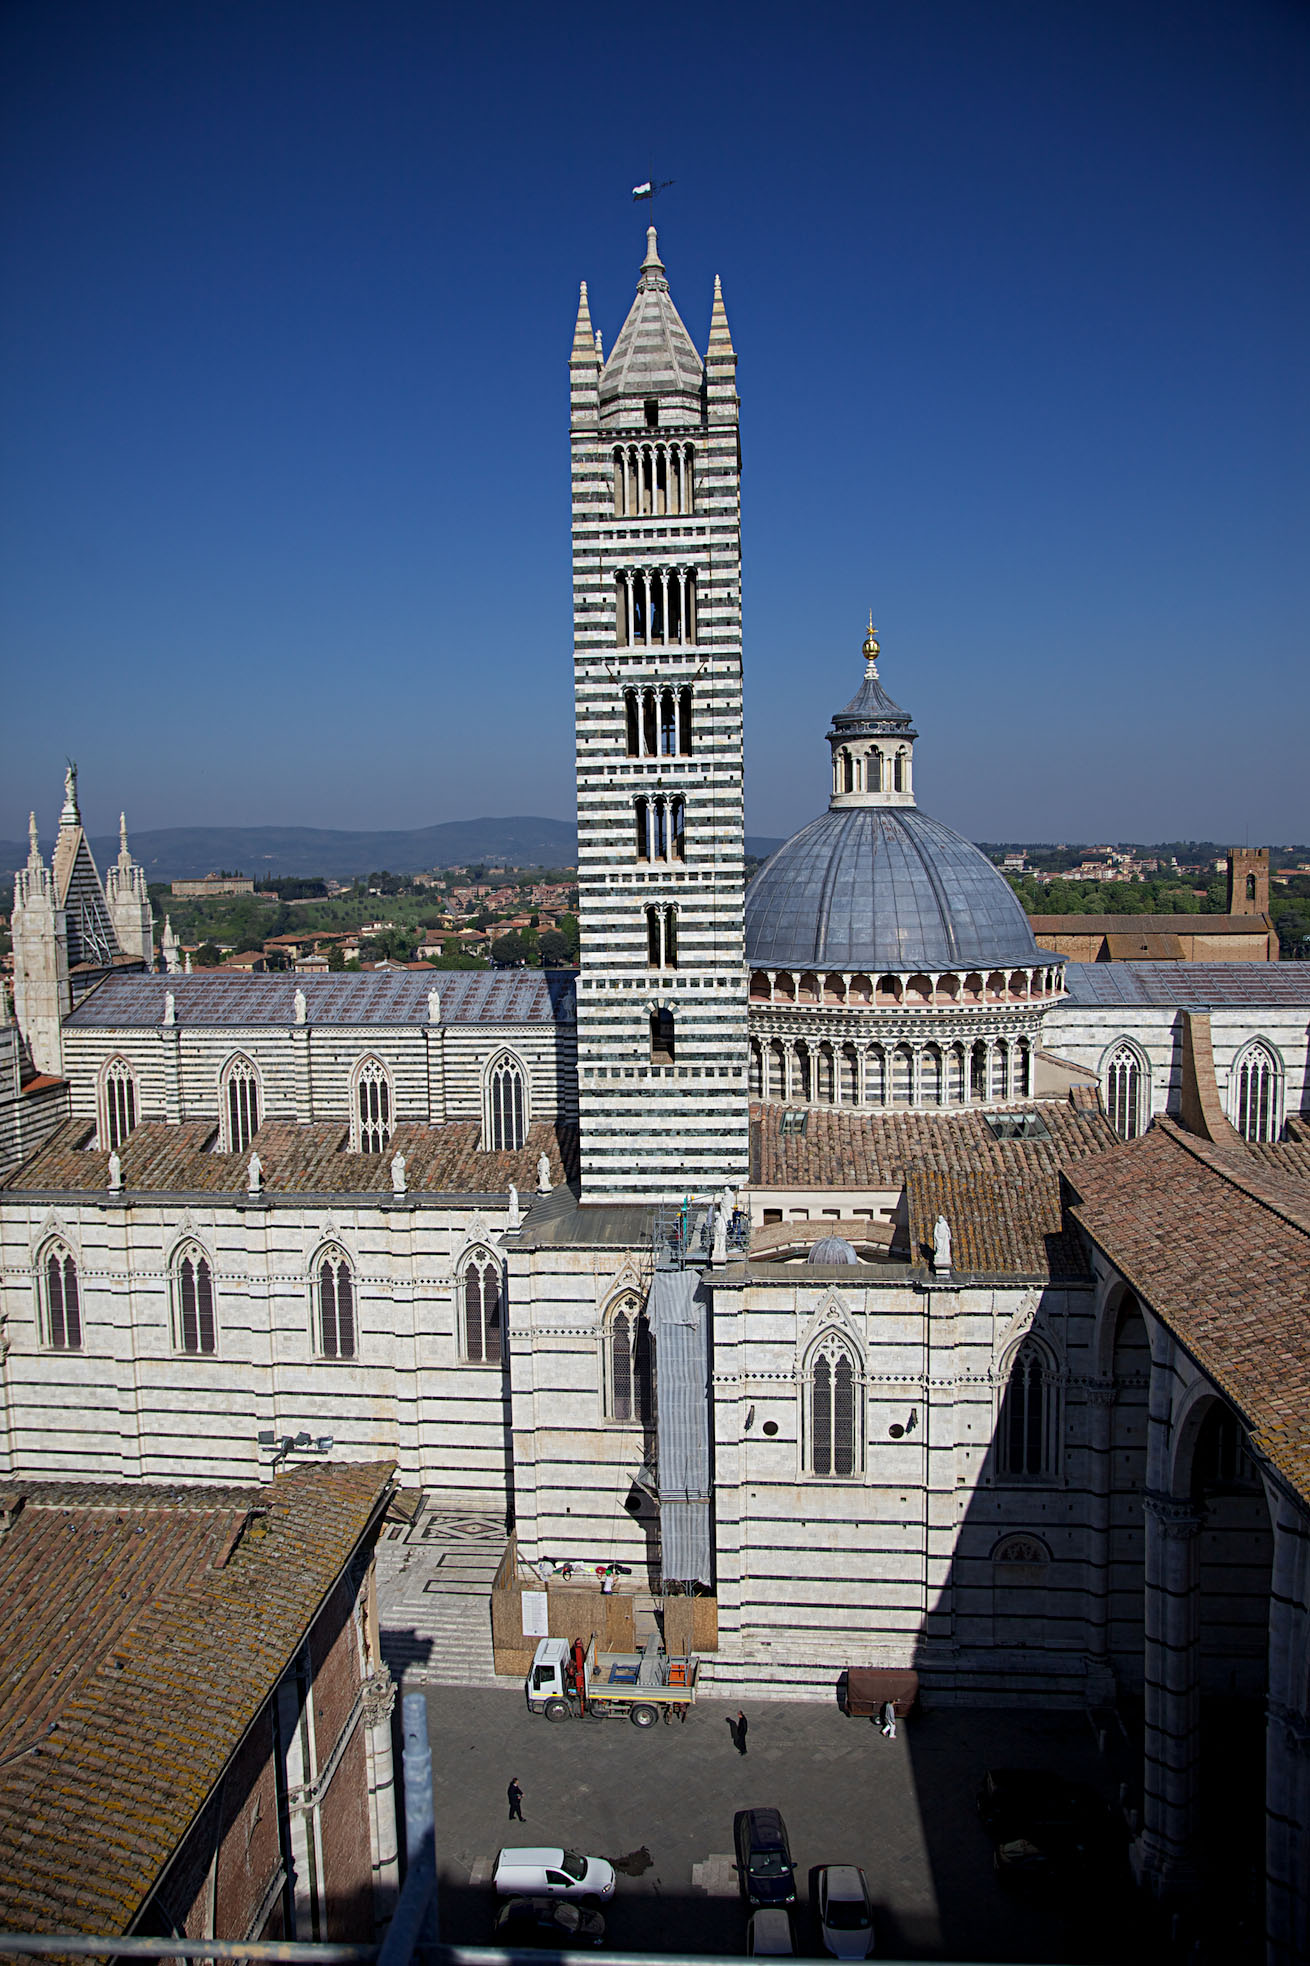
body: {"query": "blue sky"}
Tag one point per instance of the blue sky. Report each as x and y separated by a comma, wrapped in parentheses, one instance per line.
(1019, 293)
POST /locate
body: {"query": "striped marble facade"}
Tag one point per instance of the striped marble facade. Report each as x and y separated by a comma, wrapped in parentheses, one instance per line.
(657, 613)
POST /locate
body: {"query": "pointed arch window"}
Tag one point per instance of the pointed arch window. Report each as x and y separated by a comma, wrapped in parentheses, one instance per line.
(374, 1111)
(1026, 1429)
(1126, 1097)
(482, 1300)
(629, 1364)
(334, 1288)
(194, 1328)
(241, 1105)
(835, 1398)
(1257, 1099)
(506, 1106)
(62, 1303)
(118, 1103)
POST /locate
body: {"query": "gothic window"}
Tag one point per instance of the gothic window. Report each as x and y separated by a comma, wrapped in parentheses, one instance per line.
(193, 1301)
(240, 1105)
(374, 1107)
(662, 936)
(507, 1106)
(668, 724)
(641, 808)
(1256, 1099)
(632, 713)
(63, 1304)
(835, 1399)
(118, 1103)
(1026, 1430)
(663, 1042)
(1221, 1464)
(482, 1297)
(847, 772)
(335, 1289)
(684, 722)
(1126, 1092)
(629, 1373)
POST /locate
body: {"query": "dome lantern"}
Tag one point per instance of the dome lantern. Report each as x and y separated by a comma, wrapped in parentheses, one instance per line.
(872, 743)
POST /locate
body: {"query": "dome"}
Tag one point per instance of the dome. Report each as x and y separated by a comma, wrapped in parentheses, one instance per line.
(832, 1249)
(883, 887)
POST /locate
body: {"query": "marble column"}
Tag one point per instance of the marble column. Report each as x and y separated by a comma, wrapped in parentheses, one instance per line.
(1171, 1750)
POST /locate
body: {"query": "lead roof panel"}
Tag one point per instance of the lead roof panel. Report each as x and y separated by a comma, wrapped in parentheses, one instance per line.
(390, 997)
(1196, 986)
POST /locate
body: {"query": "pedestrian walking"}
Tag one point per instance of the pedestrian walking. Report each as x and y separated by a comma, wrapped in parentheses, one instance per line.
(887, 1720)
(740, 1736)
(515, 1794)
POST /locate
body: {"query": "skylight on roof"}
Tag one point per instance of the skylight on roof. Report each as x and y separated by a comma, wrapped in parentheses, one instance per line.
(1018, 1126)
(793, 1123)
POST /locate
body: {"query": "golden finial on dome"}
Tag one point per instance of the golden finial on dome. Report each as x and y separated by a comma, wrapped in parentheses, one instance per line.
(871, 642)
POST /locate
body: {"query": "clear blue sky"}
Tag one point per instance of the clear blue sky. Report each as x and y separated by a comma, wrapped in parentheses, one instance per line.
(1019, 292)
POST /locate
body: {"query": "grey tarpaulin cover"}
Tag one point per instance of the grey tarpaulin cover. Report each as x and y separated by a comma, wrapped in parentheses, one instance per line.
(677, 1317)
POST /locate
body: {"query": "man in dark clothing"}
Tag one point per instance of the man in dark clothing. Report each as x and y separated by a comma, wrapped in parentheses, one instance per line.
(740, 1735)
(515, 1794)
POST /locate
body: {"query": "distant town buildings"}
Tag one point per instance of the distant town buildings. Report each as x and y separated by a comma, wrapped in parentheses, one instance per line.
(212, 884)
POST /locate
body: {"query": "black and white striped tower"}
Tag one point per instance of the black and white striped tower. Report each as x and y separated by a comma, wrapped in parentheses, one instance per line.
(658, 717)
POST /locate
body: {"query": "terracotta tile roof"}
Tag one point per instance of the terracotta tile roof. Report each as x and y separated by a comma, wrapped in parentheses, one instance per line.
(161, 1158)
(142, 1629)
(1002, 1225)
(847, 1149)
(1218, 1244)
(1148, 924)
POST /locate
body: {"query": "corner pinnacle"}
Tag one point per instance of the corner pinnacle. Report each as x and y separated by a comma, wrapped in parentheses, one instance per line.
(584, 338)
(720, 334)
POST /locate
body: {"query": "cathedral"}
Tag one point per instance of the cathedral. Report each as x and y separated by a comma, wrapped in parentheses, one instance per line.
(825, 1247)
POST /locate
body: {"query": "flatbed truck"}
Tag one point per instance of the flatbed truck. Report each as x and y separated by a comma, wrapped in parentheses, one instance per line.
(572, 1681)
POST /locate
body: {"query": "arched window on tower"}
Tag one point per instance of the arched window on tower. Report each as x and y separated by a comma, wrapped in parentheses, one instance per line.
(835, 1401)
(117, 1103)
(482, 1300)
(194, 1328)
(873, 773)
(335, 1290)
(61, 1299)
(1256, 1101)
(900, 770)
(240, 1105)
(505, 1126)
(1026, 1440)
(663, 1038)
(629, 1366)
(1126, 1092)
(374, 1107)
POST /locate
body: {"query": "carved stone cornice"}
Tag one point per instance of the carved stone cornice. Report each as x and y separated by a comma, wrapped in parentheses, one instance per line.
(1178, 1517)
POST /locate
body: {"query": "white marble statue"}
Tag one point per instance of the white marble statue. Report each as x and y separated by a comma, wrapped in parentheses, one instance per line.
(719, 1251)
(255, 1175)
(398, 1174)
(543, 1174)
(302, 1007)
(941, 1246)
(515, 1217)
(115, 1173)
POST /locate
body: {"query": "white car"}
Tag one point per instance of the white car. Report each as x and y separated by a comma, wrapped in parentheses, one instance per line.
(533, 1872)
(845, 1911)
(768, 1936)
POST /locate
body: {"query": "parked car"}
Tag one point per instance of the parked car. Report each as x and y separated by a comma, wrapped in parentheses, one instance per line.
(555, 1923)
(845, 1911)
(1046, 1828)
(764, 1866)
(548, 1870)
(768, 1935)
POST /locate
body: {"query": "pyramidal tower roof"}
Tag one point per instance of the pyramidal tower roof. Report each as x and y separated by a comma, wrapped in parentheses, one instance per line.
(654, 354)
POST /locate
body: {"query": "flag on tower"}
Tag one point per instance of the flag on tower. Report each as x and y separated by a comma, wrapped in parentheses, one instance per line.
(646, 190)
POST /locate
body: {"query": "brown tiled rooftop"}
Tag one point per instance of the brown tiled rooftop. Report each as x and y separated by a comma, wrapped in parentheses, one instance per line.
(158, 1158)
(142, 1629)
(1217, 1242)
(848, 1149)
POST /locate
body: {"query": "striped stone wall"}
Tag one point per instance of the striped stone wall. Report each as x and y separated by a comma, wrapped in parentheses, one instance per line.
(130, 1403)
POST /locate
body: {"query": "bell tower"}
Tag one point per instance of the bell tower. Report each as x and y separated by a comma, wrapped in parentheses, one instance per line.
(662, 1046)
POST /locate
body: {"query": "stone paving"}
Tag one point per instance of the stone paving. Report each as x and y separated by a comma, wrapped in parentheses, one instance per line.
(662, 1803)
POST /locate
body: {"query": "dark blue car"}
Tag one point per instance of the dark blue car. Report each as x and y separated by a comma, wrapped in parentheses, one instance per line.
(764, 1865)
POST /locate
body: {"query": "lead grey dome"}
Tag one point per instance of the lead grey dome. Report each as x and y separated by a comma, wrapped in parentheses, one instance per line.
(832, 1249)
(878, 888)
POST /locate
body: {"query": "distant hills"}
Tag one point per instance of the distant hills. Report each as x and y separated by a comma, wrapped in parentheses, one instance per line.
(185, 853)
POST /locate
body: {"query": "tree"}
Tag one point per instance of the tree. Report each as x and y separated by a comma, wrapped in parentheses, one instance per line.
(567, 926)
(208, 956)
(511, 948)
(554, 949)
(455, 956)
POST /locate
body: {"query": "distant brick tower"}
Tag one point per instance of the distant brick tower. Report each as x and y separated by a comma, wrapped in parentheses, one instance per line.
(662, 1046)
(1248, 880)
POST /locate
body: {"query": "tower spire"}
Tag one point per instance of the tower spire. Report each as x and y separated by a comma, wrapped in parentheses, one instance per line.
(720, 333)
(584, 335)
